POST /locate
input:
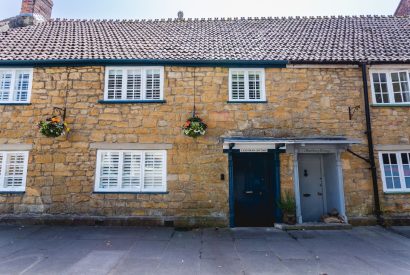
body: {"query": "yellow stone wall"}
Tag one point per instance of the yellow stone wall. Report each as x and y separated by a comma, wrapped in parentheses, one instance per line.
(301, 102)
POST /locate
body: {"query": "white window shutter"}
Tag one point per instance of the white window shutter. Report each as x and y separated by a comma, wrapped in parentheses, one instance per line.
(5, 85)
(134, 81)
(254, 79)
(153, 84)
(109, 170)
(114, 87)
(22, 84)
(238, 86)
(131, 175)
(153, 171)
(15, 166)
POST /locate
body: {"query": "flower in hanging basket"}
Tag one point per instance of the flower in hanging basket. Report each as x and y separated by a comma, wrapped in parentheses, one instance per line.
(194, 127)
(53, 127)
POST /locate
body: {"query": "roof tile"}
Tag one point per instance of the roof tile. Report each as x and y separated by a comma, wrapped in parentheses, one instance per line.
(309, 39)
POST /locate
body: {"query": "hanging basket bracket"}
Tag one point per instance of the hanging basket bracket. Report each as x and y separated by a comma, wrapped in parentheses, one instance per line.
(57, 111)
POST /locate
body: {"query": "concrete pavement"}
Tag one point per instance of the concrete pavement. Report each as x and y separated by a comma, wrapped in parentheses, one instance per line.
(142, 250)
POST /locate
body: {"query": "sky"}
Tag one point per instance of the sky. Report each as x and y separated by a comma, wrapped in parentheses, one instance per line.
(156, 9)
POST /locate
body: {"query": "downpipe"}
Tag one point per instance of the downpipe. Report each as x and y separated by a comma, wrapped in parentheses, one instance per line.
(370, 144)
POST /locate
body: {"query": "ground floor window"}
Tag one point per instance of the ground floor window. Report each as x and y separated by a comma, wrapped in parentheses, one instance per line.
(13, 171)
(131, 171)
(395, 171)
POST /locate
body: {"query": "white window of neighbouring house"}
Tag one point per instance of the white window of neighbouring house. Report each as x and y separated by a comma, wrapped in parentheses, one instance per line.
(390, 87)
(395, 171)
(134, 83)
(131, 171)
(247, 85)
(15, 85)
(13, 171)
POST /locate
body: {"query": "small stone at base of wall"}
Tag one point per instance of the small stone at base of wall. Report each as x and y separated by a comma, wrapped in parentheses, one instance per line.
(112, 221)
(362, 221)
(385, 220)
(396, 221)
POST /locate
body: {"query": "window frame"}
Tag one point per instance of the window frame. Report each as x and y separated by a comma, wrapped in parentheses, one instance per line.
(390, 91)
(124, 83)
(403, 188)
(3, 164)
(118, 189)
(246, 79)
(13, 85)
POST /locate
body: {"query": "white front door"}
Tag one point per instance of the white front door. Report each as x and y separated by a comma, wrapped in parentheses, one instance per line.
(311, 187)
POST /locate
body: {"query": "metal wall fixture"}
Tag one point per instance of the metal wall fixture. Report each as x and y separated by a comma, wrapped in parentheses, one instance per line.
(352, 111)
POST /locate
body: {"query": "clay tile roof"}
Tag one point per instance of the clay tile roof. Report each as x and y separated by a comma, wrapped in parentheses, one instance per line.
(307, 39)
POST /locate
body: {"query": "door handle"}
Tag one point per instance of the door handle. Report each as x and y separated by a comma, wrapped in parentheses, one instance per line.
(306, 195)
(248, 192)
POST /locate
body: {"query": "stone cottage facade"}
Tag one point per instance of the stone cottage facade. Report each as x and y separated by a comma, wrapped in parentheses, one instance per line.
(284, 100)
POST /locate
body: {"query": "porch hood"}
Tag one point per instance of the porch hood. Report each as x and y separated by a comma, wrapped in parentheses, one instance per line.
(268, 143)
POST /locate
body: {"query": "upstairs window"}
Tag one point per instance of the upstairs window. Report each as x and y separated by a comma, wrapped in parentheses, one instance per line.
(131, 171)
(134, 83)
(246, 85)
(395, 171)
(15, 85)
(13, 171)
(391, 87)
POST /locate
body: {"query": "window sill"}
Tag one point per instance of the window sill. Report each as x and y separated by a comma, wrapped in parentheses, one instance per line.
(246, 101)
(132, 193)
(390, 105)
(15, 103)
(130, 101)
(12, 192)
(396, 192)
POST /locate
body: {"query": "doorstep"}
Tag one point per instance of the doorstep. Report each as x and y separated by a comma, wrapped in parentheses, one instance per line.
(313, 226)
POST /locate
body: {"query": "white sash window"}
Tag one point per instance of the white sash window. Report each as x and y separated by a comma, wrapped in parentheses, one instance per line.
(247, 85)
(15, 85)
(134, 83)
(13, 171)
(131, 171)
(395, 167)
(390, 86)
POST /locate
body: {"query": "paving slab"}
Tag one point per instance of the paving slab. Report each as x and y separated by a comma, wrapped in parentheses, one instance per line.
(96, 262)
(402, 230)
(150, 250)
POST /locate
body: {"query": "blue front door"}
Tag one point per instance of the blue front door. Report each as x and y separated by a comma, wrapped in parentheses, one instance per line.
(253, 181)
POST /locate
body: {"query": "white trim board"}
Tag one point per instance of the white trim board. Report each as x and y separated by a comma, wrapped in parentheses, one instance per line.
(16, 147)
(389, 67)
(130, 146)
(393, 147)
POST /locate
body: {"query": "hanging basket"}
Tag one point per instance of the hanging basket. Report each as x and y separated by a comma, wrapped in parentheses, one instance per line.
(194, 127)
(53, 127)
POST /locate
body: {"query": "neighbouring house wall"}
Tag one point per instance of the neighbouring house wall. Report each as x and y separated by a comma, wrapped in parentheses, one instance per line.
(301, 102)
(391, 126)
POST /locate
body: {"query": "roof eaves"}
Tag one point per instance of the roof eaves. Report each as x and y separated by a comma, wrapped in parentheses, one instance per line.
(147, 62)
(347, 62)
